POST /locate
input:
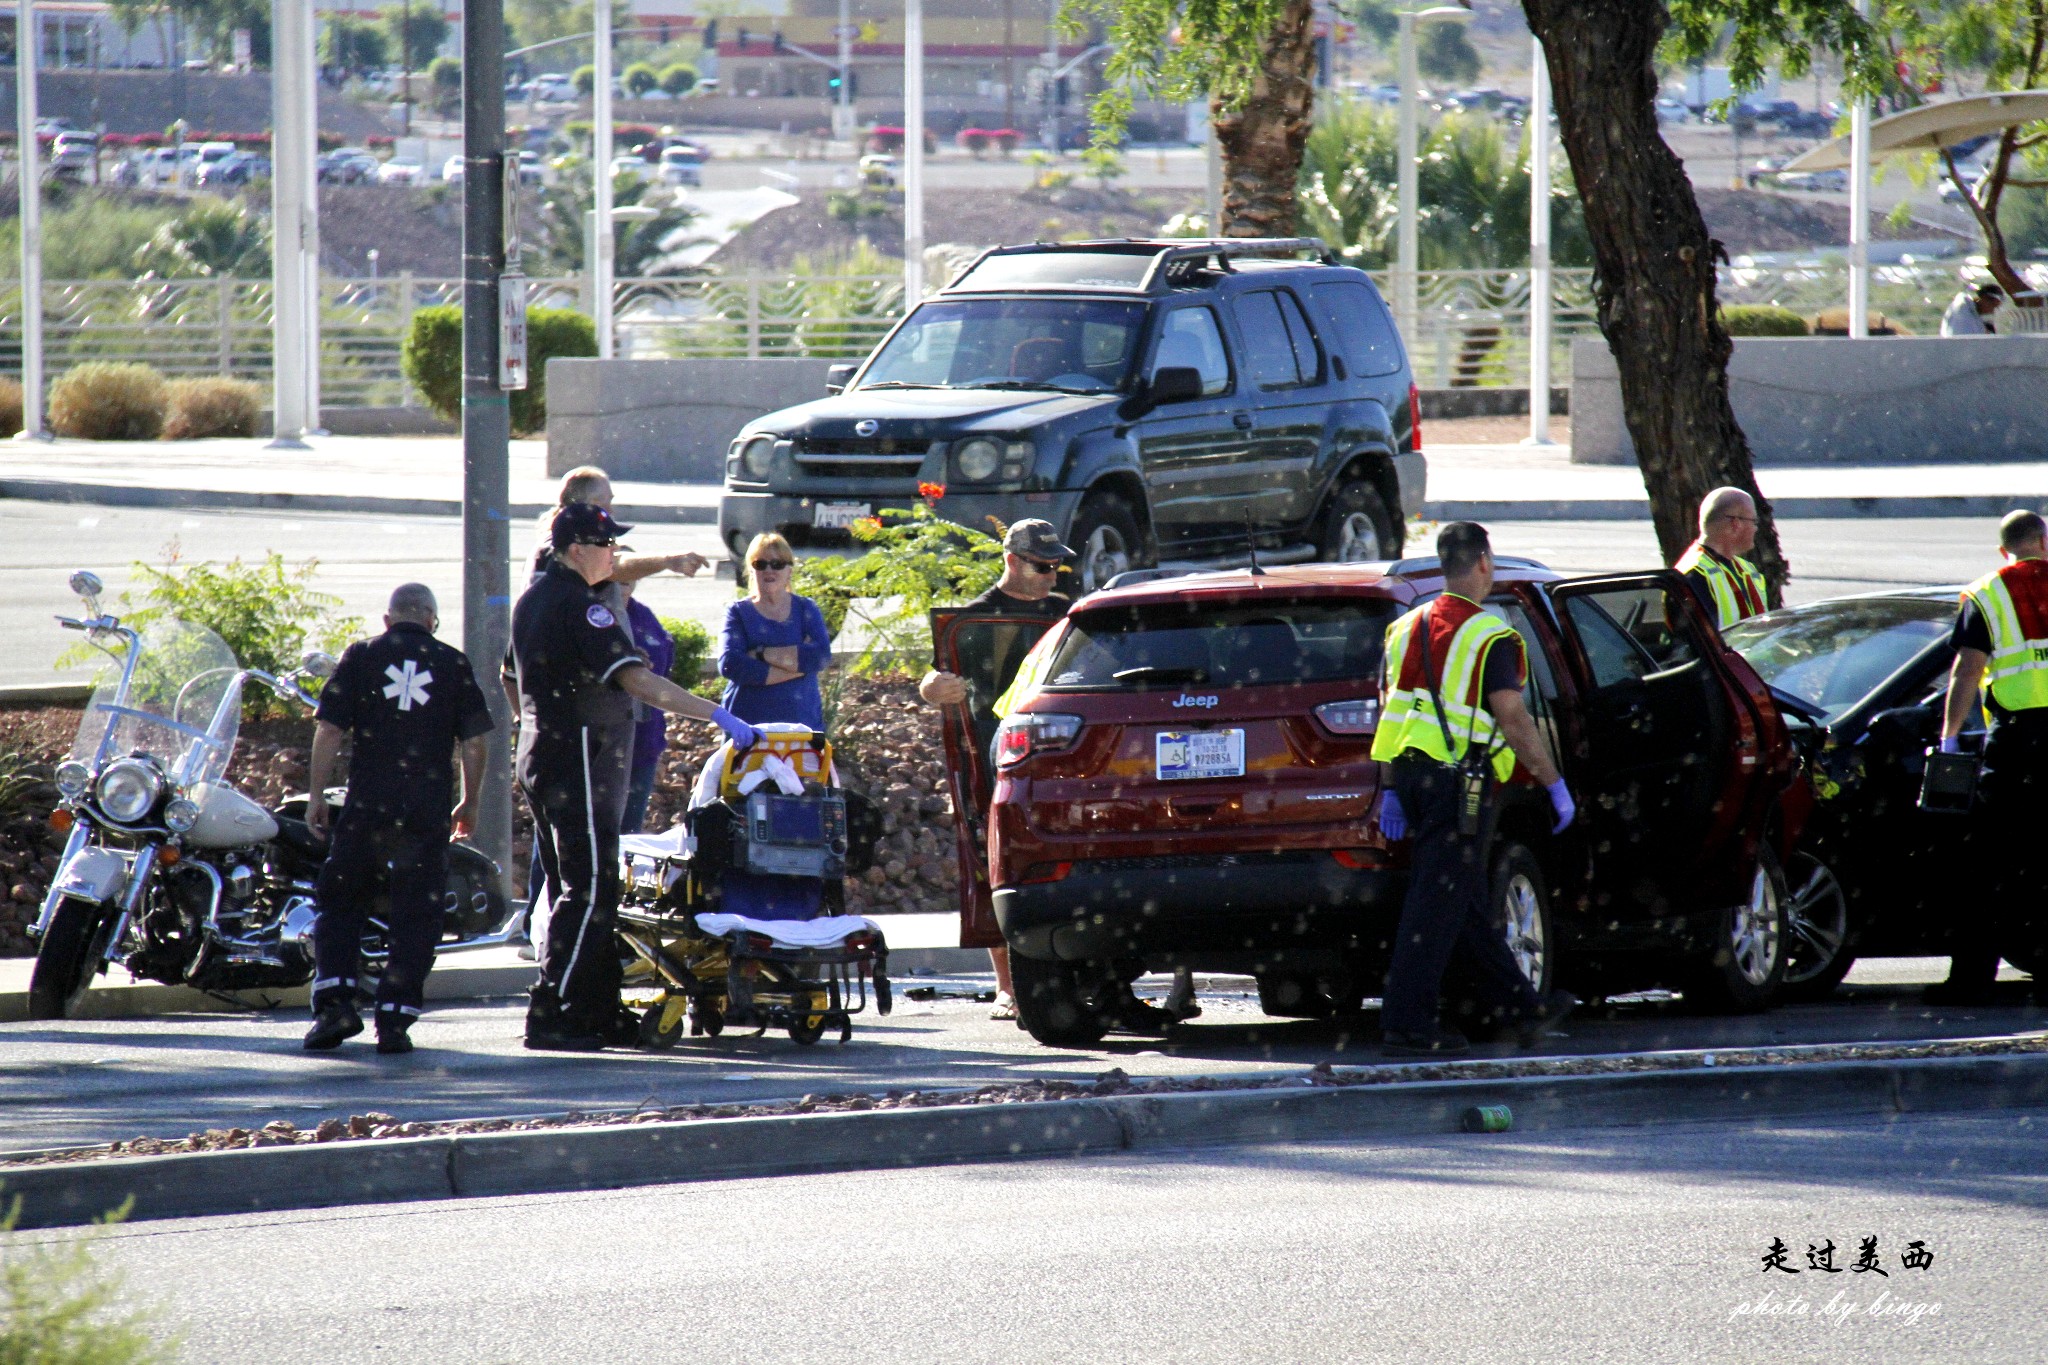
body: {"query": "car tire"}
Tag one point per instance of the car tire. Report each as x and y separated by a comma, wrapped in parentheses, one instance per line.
(1056, 1001)
(1820, 946)
(1357, 527)
(1106, 541)
(1292, 995)
(1743, 968)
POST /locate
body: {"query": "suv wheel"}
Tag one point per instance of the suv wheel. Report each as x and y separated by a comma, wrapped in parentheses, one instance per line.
(1105, 536)
(1522, 907)
(1818, 947)
(1056, 1001)
(1744, 967)
(1357, 526)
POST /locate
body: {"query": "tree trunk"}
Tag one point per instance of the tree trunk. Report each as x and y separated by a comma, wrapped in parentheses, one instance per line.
(1262, 142)
(1654, 266)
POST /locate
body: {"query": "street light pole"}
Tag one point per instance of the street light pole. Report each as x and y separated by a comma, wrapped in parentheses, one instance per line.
(1407, 260)
(600, 266)
(307, 56)
(913, 152)
(29, 185)
(1859, 210)
(289, 173)
(1537, 130)
(842, 110)
(486, 414)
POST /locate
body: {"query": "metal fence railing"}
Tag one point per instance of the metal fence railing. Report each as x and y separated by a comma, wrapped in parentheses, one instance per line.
(1471, 326)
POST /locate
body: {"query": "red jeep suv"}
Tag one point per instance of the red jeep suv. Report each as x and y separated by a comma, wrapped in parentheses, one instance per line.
(1193, 785)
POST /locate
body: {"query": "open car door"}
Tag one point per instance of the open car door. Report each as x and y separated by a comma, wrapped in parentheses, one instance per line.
(985, 649)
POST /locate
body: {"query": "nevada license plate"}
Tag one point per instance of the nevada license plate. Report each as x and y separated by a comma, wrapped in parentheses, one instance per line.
(837, 516)
(1199, 753)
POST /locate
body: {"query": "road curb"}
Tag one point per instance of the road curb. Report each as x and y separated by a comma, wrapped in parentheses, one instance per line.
(270, 1179)
(235, 499)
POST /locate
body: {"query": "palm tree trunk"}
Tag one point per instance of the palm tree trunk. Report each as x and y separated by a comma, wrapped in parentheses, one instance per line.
(1262, 142)
(1654, 266)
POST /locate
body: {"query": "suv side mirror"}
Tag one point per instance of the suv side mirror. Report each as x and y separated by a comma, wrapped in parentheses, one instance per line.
(1175, 384)
(836, 378)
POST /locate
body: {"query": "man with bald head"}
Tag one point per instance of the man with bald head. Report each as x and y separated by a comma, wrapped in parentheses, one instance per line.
(406, 701)
(1727, 584)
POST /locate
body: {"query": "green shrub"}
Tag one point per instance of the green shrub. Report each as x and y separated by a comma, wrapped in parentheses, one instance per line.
(200, 408)
(57, 1307)
(679, 79)
(693, 651)
(914, 559)
(431, 356)
(1762, 320)
(640, 80)
(109, 401)
(267, 613)
(10, 408)
(585, 79)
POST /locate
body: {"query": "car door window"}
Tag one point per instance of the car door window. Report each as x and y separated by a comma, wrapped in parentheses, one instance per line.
(1190, 339)
(1611, 654)
(1308, 356)
(1540, 691)
(1360, 329)
(1269, 353)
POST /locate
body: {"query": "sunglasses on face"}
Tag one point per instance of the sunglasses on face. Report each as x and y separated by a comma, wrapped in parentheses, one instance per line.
(1040, 566)
(772, 565)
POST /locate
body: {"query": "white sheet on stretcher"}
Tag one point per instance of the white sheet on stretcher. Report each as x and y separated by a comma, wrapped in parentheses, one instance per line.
(673, 843)
(828, 932)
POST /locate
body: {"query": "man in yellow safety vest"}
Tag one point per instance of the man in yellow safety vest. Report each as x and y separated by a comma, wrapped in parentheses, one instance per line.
(2001, 641)
(1452, 693)
(1729, 585)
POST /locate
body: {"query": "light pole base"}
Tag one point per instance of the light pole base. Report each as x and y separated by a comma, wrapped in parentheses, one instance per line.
(287, 443)
(1537, 441)
(40, 434)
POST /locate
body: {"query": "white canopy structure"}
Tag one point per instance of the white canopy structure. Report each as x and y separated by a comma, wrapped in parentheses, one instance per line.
(1931, 127)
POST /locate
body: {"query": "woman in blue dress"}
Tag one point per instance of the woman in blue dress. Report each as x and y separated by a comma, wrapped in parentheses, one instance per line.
(774, 643)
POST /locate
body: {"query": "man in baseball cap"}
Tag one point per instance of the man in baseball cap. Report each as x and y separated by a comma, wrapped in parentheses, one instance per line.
(585, 523)
(1035, 539)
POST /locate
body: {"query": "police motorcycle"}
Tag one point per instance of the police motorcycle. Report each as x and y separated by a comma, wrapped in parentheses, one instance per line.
(168, 869)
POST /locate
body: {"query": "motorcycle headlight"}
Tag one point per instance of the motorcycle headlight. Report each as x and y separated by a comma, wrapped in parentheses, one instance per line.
(128, 788)
(73, 778)
(754, 457)
(181, 815)
(978, 459)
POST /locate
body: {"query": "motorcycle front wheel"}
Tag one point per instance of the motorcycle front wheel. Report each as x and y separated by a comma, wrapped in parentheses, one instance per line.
(72, 943)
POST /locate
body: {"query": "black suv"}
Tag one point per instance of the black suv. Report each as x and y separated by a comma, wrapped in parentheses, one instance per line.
(1154, 400)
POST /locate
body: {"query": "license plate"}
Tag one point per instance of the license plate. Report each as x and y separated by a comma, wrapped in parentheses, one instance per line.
(1199, 753)
(837, 516)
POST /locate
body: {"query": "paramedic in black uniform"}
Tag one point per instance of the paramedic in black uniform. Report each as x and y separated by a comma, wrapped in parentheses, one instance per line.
(578, 674)
(406, 700)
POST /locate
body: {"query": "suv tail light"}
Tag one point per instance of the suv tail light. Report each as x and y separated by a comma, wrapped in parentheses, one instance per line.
(1414, 419)
(1350, 717)
(1034, 732)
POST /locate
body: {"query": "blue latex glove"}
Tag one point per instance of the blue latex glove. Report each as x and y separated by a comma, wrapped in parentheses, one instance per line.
(1952, 745)
(1393, 820)
(738, 731)
(1561, 802)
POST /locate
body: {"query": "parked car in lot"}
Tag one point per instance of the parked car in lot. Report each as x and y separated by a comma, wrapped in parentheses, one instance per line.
(1873, 874)
(1155, 401)
(1193, 786)
(346, 166)
(401, 171)
(242, 168)
(682, 167)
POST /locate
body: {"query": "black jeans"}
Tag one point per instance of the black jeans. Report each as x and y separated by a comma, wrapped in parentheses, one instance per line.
(577, 804)
(1448, 907)
(2007, 831)
(411, 869)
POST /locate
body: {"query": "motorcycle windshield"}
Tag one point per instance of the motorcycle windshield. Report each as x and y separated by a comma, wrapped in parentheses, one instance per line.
(181, 705)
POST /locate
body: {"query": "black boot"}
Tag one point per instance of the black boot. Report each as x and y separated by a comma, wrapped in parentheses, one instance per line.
(336, 1022)
(392, 1036)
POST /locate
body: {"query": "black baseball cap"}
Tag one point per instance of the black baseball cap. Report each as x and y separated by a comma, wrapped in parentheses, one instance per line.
(1035, 539)
(583, 523)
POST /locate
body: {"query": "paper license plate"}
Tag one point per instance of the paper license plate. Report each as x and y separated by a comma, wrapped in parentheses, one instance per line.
(1199, 753)
(837, 516)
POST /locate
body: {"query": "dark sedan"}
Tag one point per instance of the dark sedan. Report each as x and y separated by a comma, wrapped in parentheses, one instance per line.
(1874, 876)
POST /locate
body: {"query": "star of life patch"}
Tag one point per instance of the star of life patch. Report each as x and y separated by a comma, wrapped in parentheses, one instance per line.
(600, 616)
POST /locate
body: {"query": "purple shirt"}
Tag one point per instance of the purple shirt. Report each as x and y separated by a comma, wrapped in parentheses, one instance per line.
(650, 726)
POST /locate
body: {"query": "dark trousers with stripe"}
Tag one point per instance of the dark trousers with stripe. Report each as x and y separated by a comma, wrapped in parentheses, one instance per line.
(2005, 845)
(410, 869)
(577, 804)
(1447, 907)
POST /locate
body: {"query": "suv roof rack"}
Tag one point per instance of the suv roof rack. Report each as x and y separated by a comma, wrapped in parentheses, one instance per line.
(1431, 564)
(1166, 252)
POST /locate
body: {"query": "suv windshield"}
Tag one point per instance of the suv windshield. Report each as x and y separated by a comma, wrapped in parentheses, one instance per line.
(1079, 345)
(1244, 644)
(1833, 654)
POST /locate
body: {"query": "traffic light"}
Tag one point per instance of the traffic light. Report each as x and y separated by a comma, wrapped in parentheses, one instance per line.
(743, 40)
(1059, 93)
(780, 45)
(711, 34)
(837, 79)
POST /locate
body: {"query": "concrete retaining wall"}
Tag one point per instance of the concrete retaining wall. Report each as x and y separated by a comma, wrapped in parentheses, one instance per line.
(1830, 400)
(668, 421)
(1488, 402)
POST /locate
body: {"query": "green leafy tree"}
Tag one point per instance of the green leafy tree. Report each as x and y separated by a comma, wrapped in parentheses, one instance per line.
(213, 237)
(639, 248)
(678, 79)
(208, 26)
(1444, 54)
(416, 33)
(914, 561)
(444, 74)
(585, 79)
(640, 80)
(353, 44)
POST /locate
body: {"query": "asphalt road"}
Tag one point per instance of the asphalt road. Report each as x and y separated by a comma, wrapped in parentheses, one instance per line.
(86, 1081)
(1620, 1245)
(363, 557)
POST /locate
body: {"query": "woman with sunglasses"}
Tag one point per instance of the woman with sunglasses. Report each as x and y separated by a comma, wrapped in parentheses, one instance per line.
(774, 643)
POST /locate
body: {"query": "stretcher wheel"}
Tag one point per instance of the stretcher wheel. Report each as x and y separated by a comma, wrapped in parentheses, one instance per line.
(661, 1027)
(706, 1020)
(805, 1029)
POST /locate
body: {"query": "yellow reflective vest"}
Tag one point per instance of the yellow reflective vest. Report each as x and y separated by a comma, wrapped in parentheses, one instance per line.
(2014, 602)
(1408, 717)
(1030, 674)
(1738, 589)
